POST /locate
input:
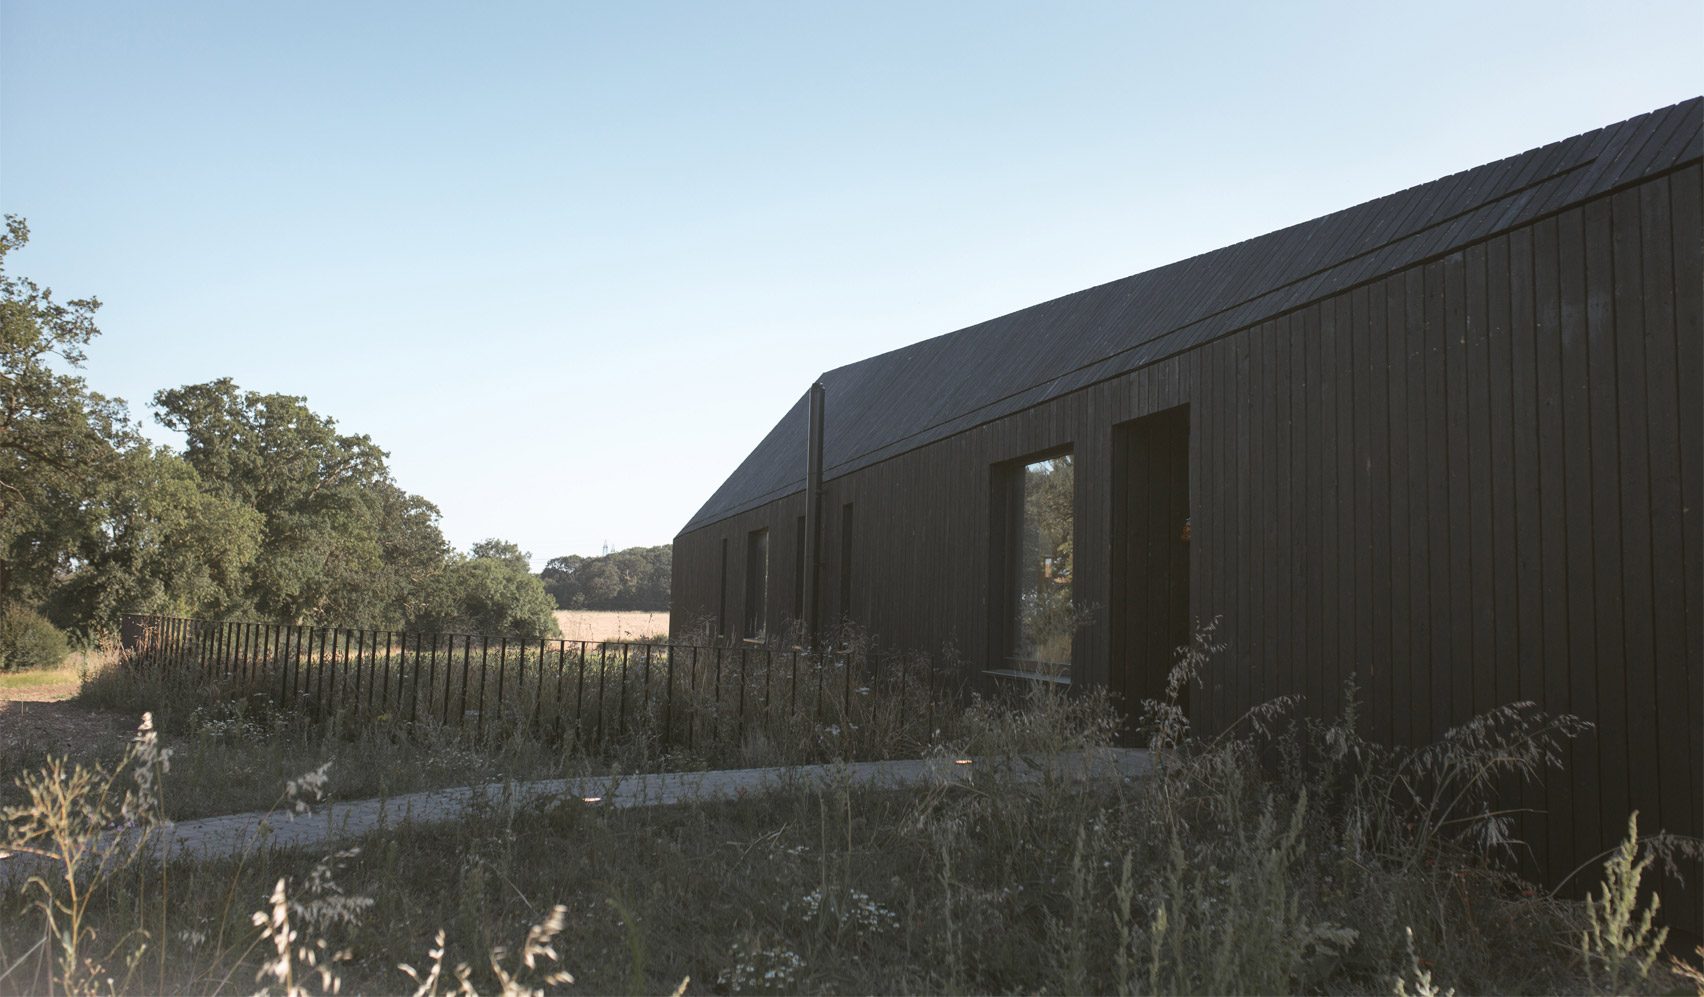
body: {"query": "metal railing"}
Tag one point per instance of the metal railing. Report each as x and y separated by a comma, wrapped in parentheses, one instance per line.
(690, 695)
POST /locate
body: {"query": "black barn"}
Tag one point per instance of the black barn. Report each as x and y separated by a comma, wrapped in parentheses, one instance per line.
(1447, 441)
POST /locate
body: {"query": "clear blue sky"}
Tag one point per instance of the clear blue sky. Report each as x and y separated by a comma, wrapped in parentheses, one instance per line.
(569, 262)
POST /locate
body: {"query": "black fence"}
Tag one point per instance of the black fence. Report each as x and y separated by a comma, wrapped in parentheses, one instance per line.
(852, 699)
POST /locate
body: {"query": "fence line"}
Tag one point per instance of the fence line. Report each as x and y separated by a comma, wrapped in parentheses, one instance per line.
(679, 694)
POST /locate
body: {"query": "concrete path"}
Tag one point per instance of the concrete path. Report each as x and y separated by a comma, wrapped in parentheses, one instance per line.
(223, 837)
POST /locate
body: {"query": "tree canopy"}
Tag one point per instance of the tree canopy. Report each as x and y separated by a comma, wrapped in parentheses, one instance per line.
(633, 579)
(268, 512)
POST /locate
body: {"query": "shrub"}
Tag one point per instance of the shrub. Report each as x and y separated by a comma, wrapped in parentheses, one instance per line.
(28, 640)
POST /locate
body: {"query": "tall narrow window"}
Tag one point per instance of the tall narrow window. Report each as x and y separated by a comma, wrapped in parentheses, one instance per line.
(722, 593)
(1041, 615)
(799, 572)
(756, 584)
(846, 561)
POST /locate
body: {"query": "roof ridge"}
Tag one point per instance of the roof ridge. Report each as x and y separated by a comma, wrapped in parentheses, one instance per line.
(1110, 328)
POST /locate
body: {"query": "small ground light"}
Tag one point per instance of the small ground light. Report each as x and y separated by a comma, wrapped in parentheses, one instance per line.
(961, 761)
(592, 799)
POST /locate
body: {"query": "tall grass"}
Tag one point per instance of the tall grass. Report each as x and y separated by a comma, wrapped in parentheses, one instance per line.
(1284, 855)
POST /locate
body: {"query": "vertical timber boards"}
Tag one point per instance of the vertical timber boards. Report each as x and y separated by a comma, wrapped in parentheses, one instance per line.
(1468, 482)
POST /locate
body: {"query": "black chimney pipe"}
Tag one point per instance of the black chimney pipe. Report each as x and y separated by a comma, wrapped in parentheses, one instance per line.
(813, 519)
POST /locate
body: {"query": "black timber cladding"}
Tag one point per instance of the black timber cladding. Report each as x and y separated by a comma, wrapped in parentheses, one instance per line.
(912, 396)
(1472, 478)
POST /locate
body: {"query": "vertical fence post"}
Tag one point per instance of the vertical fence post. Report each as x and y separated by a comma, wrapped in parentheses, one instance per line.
(484, 661)
(295, 665)
(449, 658)
(332, 703)
(904, 666)
(360, 661)
(668, 706)
(745, 680)
(929, 682)
(414, 677)
(401, 678)
(561, 672)
(692, 710)
(793, 689)
(520, 682)
(821, 667)
(467, 656)
(874, 678)
(316, 672)
(320, 675)
(621, 694)
(716, 698)
(280, 642)
(502, 671)
(580, 697)
(768, 689)
(431, 673)
(390, 651)
(603, 672)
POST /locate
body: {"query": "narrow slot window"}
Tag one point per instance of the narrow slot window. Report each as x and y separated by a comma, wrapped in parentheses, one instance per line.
(756, 584)
(846, 561)
(722, 593)
(799, 572)
(1040, 610)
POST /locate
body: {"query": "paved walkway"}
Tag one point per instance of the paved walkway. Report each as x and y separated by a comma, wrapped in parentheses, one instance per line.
(223, 837)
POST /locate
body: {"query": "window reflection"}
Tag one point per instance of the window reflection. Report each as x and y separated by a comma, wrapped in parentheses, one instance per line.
(1043, 615)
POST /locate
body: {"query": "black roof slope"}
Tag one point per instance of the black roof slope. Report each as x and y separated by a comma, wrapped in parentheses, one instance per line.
(918, 394)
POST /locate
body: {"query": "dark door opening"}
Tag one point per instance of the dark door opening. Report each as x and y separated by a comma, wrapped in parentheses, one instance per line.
(1150, 555)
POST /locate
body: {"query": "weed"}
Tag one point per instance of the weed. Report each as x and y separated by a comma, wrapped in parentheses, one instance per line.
(1621, 940)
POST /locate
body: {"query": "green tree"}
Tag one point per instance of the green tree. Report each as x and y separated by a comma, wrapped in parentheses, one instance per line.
(340, 541)
(633, 579)
(491, 592)
(165, 544)
(94, 520)
(268, 512)
(57, 438)
(503, 550)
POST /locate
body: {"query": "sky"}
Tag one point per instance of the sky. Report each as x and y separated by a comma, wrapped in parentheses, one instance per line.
(569, 262)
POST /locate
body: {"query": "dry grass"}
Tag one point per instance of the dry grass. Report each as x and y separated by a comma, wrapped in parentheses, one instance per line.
(1283, 855)
(37, 721)
(601, 625)
(1209, 877)
(41, 685)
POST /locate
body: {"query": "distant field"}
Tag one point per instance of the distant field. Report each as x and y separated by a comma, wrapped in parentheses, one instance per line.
(597, 624)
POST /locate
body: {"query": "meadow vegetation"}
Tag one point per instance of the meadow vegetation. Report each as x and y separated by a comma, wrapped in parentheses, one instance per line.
(236, 740)
(1284, 855)
(613, 624)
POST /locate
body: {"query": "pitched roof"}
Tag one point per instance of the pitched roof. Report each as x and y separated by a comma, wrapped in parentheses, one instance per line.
(915, 395)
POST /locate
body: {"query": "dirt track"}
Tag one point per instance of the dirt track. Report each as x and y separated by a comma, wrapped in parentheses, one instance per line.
(38, 718)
